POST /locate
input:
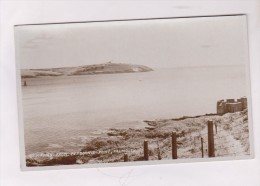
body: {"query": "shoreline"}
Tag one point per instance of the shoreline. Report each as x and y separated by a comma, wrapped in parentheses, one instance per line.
(111, 145)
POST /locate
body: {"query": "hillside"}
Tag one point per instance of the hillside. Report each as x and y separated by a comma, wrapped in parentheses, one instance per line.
(231, 139)
(106, 68)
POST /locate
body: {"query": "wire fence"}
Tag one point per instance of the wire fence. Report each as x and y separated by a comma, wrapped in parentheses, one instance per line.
(216, 139)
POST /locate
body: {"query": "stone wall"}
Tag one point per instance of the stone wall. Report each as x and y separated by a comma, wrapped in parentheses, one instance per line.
(230, 105)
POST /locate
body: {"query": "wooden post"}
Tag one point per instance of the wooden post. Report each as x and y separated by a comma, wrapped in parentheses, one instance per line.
(216, 128)
(146, 153)
(202, 148)
(211, 148)
(159, 151)
(174, 145)
(24, 83)
(125, 158)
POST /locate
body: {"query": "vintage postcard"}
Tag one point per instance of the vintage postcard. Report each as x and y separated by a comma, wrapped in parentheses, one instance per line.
(131, 92)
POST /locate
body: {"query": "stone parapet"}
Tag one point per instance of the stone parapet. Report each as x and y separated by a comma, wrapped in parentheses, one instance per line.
(230, 105)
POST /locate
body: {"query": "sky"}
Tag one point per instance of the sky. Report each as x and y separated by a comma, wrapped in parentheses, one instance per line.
(160, 43)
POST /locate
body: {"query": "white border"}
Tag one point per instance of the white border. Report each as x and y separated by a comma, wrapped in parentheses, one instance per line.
(151, 162)
(223, 173)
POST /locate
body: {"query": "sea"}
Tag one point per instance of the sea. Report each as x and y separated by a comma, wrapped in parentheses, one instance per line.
(61, 113)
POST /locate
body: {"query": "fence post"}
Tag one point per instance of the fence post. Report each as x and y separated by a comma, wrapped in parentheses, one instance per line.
(159, 151)
(216, 128)
(202, 148)
(174, 145)
(125, 158)
(211, 148)
(146, 153)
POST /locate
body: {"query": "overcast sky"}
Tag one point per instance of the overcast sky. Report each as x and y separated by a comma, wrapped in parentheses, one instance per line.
(154, 43)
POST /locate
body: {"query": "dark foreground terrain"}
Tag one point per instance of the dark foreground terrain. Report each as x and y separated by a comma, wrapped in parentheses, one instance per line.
(231, 139)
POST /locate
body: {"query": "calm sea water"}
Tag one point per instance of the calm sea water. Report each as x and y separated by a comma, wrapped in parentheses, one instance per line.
(61, 112)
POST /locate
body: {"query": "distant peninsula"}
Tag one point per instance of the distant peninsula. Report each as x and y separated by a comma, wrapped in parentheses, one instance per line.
(105, 68)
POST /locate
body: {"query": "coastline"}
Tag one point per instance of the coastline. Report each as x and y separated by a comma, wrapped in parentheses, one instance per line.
(112, 145)
(105, 68)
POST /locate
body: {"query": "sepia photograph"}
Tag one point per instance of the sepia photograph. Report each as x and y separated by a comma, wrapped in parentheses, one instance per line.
(154, 90)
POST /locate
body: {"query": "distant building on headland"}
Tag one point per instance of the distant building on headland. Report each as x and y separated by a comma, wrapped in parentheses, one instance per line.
(230, 105)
